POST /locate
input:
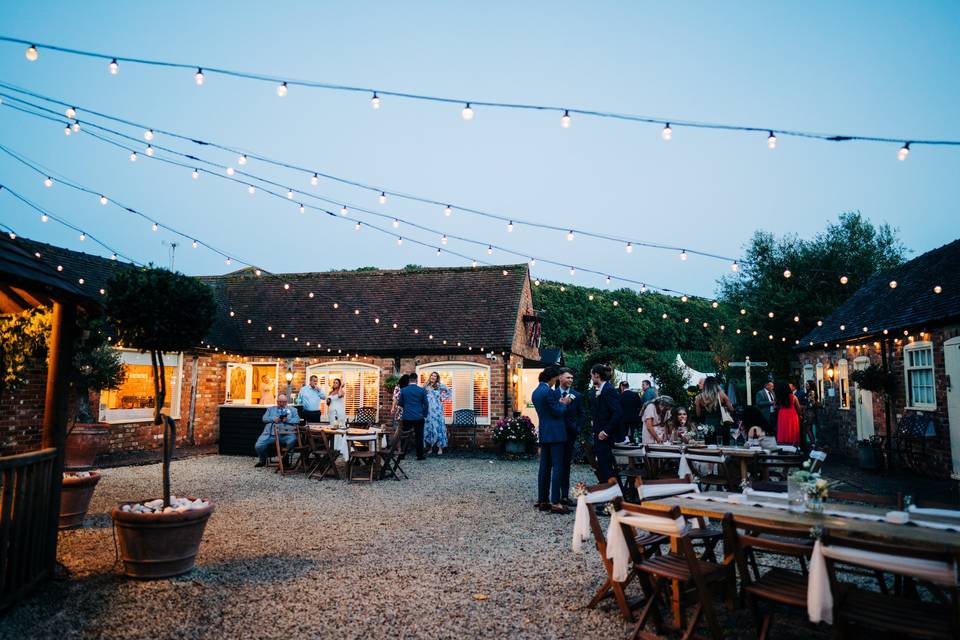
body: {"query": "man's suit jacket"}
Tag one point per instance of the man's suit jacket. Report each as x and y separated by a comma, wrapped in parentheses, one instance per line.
(573, 415)
(413, 399)
(607, 413)
(630, 403)
(546, 400)
(763, 402)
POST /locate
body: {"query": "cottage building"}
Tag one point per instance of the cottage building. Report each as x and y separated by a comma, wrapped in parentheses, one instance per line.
(906, 321)
(474, 326)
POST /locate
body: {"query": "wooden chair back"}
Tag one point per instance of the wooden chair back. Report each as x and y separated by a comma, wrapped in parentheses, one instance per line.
(600, 541)
(744, 536)
(893, 501)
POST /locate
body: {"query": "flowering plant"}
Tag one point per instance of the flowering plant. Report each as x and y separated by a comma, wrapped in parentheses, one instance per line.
(811, 484)
(514, 430)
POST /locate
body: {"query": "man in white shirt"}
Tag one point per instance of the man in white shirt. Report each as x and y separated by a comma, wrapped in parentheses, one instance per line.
(310, 397)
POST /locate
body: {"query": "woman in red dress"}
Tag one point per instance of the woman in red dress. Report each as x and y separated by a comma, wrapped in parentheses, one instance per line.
(788, 415)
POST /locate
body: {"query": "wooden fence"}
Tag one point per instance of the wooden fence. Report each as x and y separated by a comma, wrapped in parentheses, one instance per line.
(26, 487)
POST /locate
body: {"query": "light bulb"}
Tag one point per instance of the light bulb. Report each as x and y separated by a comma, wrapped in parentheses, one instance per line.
(743, 312)
(302, 209)
(904, 152)
(155, 226)
(684, 298)
(893, 284)
(282, 89)
(608, 280)
(195, 244)
(83, 236)
(375, 101)
(643, 288)
(70, 113)
(683, 254)
(573, 271)
(396, 223)
(714, 304)
(489, 250)
(667, 132)
(48, 182)
(44, 217)
(443, 240)
(289, 194)
(565, 120)
(228, 261)
(629, 247)
(937, 289)
(510, 227)
(113, 256)
(787, 273)
(75, 126)
(114, 67)
(133, 156)
(467, 112)
(103, 200)
(447, 210)
(149, 150)
(230, 171)
(242, 160)
(343, 210)
(533, 262)
(195, 174)
(770, 314)
(32, 53)
(314, 180)
(12, 235)
(383, 198)
(734, 266)
(844, 279)
(66, 130)
(771, 141)
(251, 189)
(199, 77)
(148, 135)
(399, 241)
(439, 251)
(356, 227)
(570, 236)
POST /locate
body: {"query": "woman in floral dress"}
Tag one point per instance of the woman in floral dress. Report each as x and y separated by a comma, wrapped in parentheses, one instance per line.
(435, 428)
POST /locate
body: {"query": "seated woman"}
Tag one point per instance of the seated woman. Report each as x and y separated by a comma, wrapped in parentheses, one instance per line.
(677, 428)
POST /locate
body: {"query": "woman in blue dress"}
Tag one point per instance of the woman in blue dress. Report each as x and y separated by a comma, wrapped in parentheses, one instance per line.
(435, 428)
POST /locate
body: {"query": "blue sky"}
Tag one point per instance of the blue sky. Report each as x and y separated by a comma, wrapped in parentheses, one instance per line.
(865, 68)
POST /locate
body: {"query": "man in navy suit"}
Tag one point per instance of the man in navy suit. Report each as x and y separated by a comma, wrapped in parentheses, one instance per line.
(607, 419)
(573, 418)
(553, 436)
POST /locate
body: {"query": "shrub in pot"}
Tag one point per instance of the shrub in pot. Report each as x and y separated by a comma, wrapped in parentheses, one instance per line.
(156, 311)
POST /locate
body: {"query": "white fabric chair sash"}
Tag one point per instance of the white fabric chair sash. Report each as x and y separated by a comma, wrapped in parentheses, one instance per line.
(819, 597)
(617, 550)
(581, 521)
(947, 513)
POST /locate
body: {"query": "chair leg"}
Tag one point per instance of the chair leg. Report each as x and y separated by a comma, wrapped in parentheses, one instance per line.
(706, 600)
(649, 609)
(694, 620)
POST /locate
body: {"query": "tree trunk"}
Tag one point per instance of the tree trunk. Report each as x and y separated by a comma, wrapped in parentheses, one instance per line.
(160, 391)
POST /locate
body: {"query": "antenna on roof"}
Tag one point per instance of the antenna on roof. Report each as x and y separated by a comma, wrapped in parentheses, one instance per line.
(173, 251)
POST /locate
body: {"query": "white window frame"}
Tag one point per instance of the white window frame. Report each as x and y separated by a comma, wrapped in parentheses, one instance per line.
(172, 361)
(843, 383)
(453, 365)
(344, 367)
(247, 400)
(820, 381)
(808, 375)
(923, 345)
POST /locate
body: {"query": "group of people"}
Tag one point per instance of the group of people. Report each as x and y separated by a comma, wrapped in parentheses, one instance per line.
(782, 406)
(421, 410)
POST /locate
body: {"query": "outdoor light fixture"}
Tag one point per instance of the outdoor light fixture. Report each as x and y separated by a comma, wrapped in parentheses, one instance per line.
(565, 120)
(772, 141)
(447, 210)
(830, 373)
(667, 132)
(114, 67)
(289, 376)
(467, 112)
(904, 152)
(282, 89)
(375, 101)
(32, 53)
(199, 77)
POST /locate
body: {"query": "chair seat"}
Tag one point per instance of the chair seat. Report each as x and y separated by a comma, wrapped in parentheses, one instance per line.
(363, 454)
(896, 615)
(781, 585)
(676, 568)
(651, 539)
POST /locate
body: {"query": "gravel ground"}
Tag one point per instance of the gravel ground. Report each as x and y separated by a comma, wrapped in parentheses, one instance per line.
(284, 556)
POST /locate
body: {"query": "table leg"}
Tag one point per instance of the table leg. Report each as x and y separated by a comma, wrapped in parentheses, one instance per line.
(675, 593)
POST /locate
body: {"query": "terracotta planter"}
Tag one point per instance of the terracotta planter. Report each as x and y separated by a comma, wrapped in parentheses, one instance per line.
(84, 442)
(75, 495)
(159, 545)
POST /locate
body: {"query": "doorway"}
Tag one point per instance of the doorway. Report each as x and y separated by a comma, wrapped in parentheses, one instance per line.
(864, 403)
(951, 365)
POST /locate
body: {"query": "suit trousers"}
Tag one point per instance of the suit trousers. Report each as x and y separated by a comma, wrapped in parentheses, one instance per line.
(565, 467)
(417, 426)
(548, 479)
(603, 450)
(266, 445)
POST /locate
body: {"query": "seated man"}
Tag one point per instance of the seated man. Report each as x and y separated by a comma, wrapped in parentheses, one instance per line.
(278, 415)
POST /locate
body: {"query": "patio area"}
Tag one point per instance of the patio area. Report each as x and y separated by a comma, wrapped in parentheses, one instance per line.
(456, 551)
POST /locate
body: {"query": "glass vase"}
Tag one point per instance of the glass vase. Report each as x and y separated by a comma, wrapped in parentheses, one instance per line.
(814, 504)
(795, 496)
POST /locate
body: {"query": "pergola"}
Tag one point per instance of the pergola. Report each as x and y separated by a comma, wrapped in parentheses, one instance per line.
(30, 482)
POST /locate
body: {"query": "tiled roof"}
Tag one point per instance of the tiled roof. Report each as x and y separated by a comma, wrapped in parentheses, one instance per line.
(912, 304)
(26, 281)
(476, 307)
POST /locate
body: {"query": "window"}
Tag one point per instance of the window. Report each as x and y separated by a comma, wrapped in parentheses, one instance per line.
(361, 384)
(134, 401)
(918, 370)
(820, 394)
(843, 383)
(469, 386)
(252, 383)
(807, 373)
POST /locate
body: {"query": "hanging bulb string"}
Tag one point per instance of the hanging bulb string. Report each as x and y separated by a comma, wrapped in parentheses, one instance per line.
(353, 183)
(286, 81)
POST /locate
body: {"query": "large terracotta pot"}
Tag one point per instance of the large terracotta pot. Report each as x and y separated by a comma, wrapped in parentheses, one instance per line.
(159, 545)
(84, 442)
(75, 495)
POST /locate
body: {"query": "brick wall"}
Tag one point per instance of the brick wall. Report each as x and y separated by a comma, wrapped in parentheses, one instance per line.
(21, 412)
(937, 452)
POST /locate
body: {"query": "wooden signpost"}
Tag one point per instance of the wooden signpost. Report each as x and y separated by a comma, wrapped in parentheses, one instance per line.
(746, 364)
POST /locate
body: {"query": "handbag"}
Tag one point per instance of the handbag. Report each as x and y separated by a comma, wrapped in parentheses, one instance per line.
(725, 417)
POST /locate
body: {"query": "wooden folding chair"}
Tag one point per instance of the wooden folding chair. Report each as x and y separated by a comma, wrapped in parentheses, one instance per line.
(702, 533)
(779, 585)
(364, 456)
(300, 449)
(390, 457)
(718, 468)
(324, 455)
(858, 612)
(779, 466)
(681, 568)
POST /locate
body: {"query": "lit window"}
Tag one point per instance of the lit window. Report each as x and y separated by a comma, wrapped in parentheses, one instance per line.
(469, 386)
(843, 383)
(361, 386)
(252, 383)
(134, 401)
(819, 370)
(918, 371)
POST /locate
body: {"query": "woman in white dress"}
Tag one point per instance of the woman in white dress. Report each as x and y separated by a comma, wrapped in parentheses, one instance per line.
(335, 402)
(267, 396)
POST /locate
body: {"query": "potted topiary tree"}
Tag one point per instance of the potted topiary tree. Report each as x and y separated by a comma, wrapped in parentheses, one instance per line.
(160, 311)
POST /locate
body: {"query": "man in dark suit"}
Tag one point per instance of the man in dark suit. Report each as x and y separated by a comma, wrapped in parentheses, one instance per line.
(607, 419)
(573, 417)
(630, 404)
(413, 400)
(553, 436)
(766, 401)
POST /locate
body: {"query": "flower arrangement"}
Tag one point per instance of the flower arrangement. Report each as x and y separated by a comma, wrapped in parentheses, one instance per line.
(813, 488)
(514, 430)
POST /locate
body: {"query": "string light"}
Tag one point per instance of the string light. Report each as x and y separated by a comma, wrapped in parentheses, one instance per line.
(771, 141)
(787, 273)
(282, 89)
(83, 236)
(893, 284)
(565, 120)
(199, 77)
(844, 279)
(399, 241)
(467, 112)
(343, 210)
(242, 160)
(148, 135)
(32, 54)
(75, 126)
(375, 101)
(533, 262)
(251, 189)
(667, 132)
(228, 262)
(396, 223)
(683, 255)
(44, 217)
(443, 240)
(510, 227)
(573, 271)
(489, 251)
(66, 130)
(155, 226)
(314, 180)
(383, 198)
(684, 298)
(937, 289)
(447, 210)
(904, 152)
(230, 171)
(356, 227)
(149, 150)
(114, 67)
(570, 236)
(302, 208)
(195, 244)
(133, 156)
(289, 194)
(48, 182)
(71, 113)
(103, 200)
(629, 247)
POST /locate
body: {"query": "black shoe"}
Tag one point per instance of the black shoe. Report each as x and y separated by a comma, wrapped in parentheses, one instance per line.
(260, 464)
